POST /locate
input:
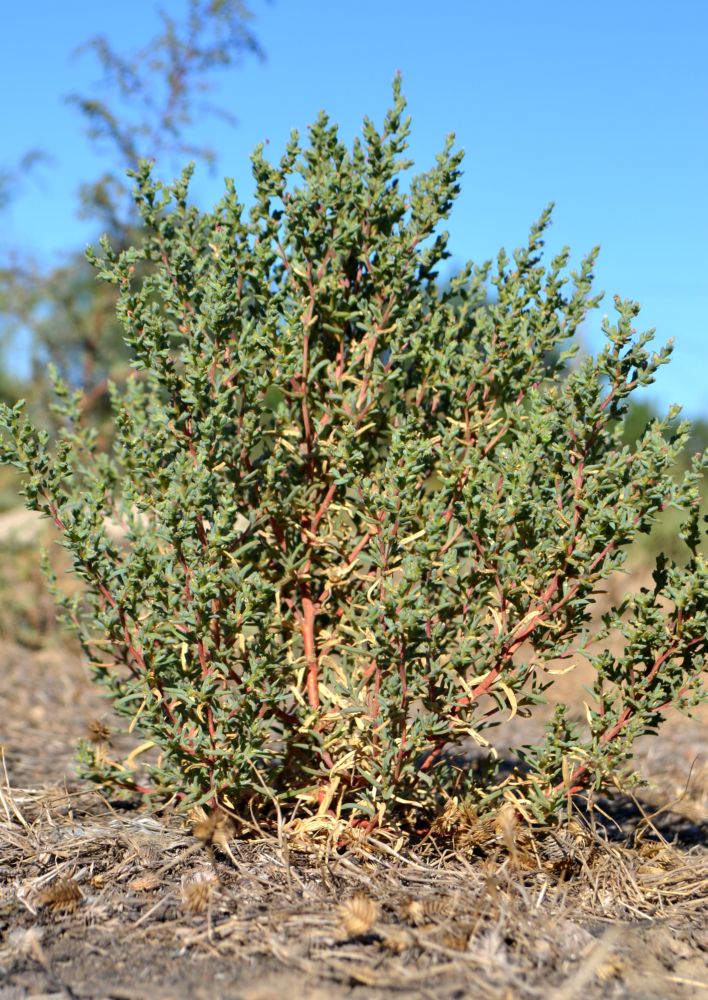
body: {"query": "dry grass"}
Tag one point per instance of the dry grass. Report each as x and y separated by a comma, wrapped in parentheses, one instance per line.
(485, 909)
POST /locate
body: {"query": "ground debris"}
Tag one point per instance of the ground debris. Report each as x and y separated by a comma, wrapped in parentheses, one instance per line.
(491, 908)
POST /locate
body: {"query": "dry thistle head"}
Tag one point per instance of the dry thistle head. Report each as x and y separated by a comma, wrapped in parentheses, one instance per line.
(98, 732)
(26, 941)
(456, 941)
(358, 914)
(198, 890)
(62, 896)
(214, 829)
(451, 817)
(473, 831)
(396, 939)
(414, 911)
(562, 846)
(437, 906)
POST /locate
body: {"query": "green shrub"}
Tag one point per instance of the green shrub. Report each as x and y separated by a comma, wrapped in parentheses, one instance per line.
(365, 516)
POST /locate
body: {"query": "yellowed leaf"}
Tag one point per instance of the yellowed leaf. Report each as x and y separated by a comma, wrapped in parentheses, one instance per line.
(513, 704)
(134, 754)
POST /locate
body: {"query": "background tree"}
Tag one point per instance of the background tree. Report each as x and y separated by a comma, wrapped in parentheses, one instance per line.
(144, 106)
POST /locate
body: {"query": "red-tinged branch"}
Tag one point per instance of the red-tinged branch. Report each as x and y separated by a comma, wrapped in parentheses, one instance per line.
(323, 508)
(495, 440)
(358, 547)
(534, 619)
(310, 649)
(54, 511)
(578, 779)
(453, 538)
(402, 753)
(432, 756)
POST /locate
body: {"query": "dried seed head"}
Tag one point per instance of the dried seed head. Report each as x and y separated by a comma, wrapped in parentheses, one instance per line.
(457, 941)
(451, 818)
(612, 968)
(436, 906)
(62, 896)
(198, 891)
(21, 941)
(414, 911)
(215, 829)
(397, 938)
(358, 914)
(472, 832)
(563, 845)
(355, 837)
(98, 732)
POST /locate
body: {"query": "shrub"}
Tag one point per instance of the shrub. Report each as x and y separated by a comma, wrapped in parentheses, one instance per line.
(365, 513)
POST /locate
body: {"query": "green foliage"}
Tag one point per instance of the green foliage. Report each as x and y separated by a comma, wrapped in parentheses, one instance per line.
(364, 516)
(665, 535)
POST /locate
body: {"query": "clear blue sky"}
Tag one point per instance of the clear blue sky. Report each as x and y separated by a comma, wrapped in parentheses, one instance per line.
(601, 107)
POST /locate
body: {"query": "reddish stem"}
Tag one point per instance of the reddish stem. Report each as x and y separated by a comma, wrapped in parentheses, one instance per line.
(308, 640)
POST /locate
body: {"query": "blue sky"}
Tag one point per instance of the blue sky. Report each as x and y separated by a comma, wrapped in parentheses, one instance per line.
(602, 108)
